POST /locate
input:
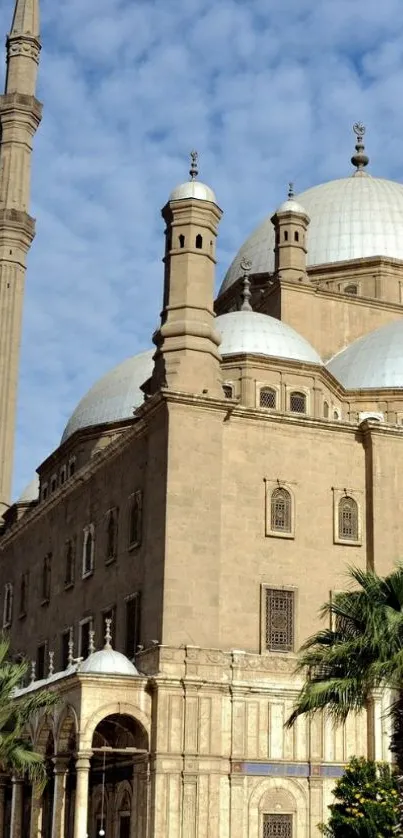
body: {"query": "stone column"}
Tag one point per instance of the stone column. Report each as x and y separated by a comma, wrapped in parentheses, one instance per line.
(3, 783)
(81, 803)
(36, 812)
(16, 808)
(59, 796)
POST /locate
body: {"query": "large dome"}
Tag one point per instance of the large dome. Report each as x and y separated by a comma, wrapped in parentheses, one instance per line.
(259, 334)
(351, 218)
(114, 396)
(372, 362)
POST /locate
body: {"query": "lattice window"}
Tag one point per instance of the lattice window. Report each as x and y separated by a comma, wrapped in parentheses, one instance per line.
(298, 402)
(268, 397)
(228, 391)
(348, 519)
(280, 512)
(277, 826)
(279, 620)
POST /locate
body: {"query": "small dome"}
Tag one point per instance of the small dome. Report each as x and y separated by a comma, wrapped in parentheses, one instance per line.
(114, 397)
(372, 362)
(108, 662)
(193, 189)
(31, 492)
(290, 205)
(350, 218)
(259, 334)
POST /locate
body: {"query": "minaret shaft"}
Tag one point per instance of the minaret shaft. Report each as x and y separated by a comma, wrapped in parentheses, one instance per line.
(20, 115)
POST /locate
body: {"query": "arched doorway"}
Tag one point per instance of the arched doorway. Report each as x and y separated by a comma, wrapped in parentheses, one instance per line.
(118, 777)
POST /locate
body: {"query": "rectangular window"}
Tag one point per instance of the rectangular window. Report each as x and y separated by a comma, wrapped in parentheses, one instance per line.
(85, 628)
(24, 594)
(133, 624)
(69, 562)
(135, 519)
(8, 605)
(65, 648)
(277, 826)
(46, 578)
(279, 627)
(41, 661)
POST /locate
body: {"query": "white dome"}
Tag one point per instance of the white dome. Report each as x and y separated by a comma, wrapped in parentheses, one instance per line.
(193, 189)
(108, 662)
(374, 361)
(291, 205)
(249, 331)
(114, 397)
(351, 218)
(31, 492)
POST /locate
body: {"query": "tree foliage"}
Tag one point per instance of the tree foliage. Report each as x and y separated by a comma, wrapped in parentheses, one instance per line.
(365, 804)
(16, 752)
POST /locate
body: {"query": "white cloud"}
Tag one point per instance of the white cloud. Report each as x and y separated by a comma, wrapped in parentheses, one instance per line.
(267, 92)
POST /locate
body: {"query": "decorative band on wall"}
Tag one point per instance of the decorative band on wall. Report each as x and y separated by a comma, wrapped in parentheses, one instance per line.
(287, 769)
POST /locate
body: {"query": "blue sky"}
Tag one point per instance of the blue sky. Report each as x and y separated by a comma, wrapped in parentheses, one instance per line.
(266, 91)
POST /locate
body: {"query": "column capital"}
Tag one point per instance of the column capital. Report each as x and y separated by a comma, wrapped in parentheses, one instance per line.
(61, 763)
(17, 781)
(83, 760)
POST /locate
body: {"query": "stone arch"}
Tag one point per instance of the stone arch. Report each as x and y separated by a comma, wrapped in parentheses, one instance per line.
(279, 794)
(111, 709)
(44, 734)
(66, 730)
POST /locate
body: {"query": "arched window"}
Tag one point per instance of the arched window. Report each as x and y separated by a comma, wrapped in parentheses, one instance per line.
(296, 236)
(135, 519)
(181, 241)
(111, 535)
(88, 550)
(228, 391)
(280, 512)
(298, 402)
(267, 397)
(326, 410)
(8, 605)
(199, 241)
(348, 519)
(286, 235)
(336, 416)
(352, 290)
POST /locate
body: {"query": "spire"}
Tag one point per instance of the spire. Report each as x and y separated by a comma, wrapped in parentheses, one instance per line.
(246, 267)
(359, 159)
(26, 19)
(290, 193)
(194, 169)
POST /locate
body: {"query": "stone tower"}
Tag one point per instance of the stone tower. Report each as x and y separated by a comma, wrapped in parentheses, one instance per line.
(187, 357)
(291, 224)
(20, 115)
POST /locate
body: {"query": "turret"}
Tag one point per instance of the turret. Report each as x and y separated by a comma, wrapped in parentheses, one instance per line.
(187, 357)
(291, 224)
(20, 115)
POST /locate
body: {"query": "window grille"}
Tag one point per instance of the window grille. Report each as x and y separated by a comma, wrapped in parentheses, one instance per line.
(46, 577)
(279, 620)
(228, 391)
(280, 511)
(88, 550)
(8, 605)
(69, 562)
(348, 519)
(352, 290)
(268, 397)
(135, 519)
(298, 402)
(112, 535)
(277, 826)
(326, 410)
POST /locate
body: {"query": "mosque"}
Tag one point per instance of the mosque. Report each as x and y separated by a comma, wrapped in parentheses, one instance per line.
(171, 555)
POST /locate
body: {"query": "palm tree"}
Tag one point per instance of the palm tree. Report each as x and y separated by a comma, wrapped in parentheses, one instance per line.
(17, 756)
(362, 651)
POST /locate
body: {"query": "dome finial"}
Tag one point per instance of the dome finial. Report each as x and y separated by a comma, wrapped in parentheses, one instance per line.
(360, 159)
(290, 193)
(246, 267)
(108, 635)
(91, 643)
(194, 169)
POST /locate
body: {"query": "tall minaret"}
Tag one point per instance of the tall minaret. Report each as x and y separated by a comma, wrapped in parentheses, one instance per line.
(20, 115)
